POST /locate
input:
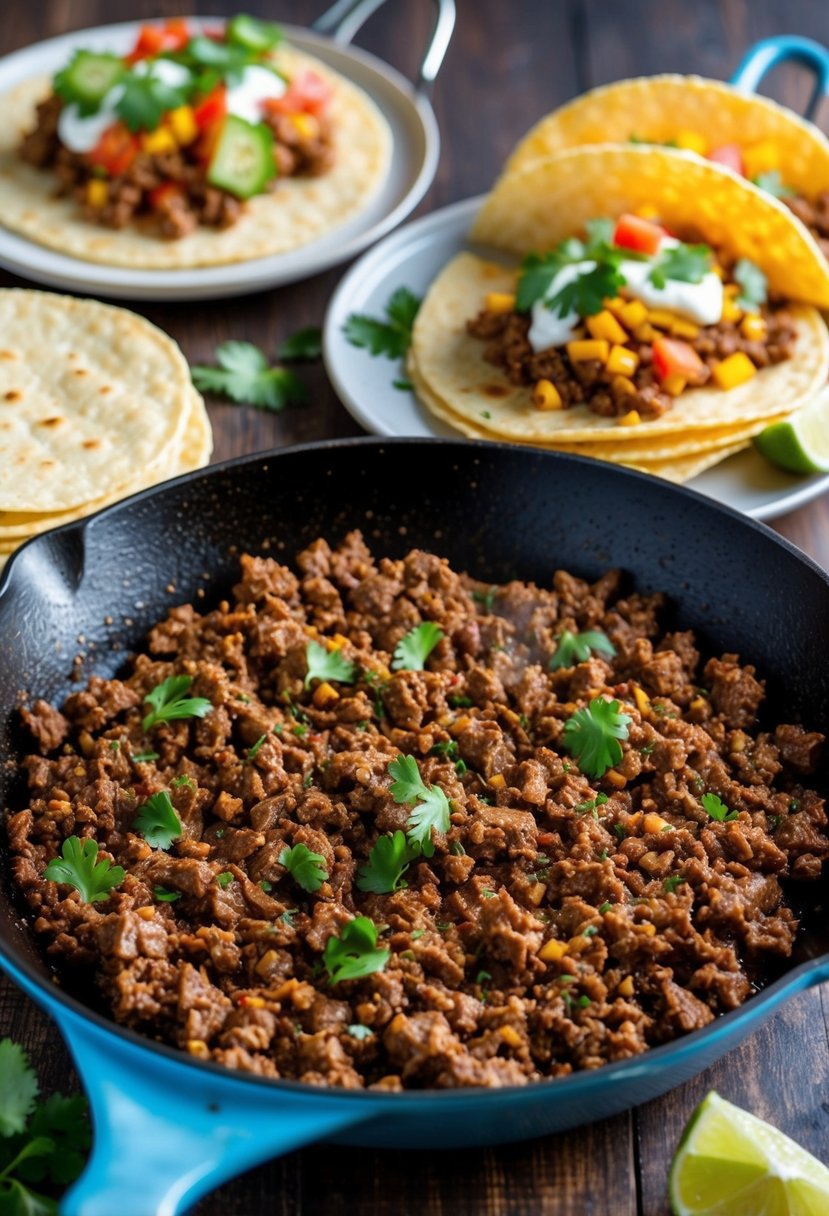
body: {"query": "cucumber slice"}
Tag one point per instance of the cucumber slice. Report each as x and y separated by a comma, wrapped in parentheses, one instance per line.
(243, 161)
(252, 34)
(87, 79)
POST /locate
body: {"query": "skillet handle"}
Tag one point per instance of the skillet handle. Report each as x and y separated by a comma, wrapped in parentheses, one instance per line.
(771, 51)
(166, 1133)
(345, 17)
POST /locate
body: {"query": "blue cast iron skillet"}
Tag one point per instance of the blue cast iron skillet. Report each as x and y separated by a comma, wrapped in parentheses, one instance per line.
(169, 1128)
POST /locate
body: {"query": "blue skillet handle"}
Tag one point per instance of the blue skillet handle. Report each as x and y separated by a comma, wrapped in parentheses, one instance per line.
(767, 54)
(165, 1133)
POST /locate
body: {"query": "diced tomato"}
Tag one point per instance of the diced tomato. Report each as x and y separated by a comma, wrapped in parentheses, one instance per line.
(153, 39)
(115, 150)
(672, 356)
(213, 109)
(307, 93)
(730, 156)
(633, 232)
(163, 193)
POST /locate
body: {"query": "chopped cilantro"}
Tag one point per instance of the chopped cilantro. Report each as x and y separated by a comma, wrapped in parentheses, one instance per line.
(168, 702)
(716, 808)
(405, 386)
(354, 953)
(460, 702)
(224, 879)
(253, 750)
(388, 861)
(288, 915)
(299, 729)
(753, 285)
(485, 598)
(572, 648)
(606, 906)
(620, 830)
(244, 375)
(646, 750)
(146, 99)
(682, 263)
(416, 934)
(266, 886)
(487, 892)
(773, 184)
(584, 1001)
(306, 868)
(304, 344)
(592, 735)
(391, 337)
(164, 896)
(590, 931)
(324, 664)
(432, 808)
(583, 807)
(360, 1032)
(143, 757)
(587, 292)
(78, 866)
(114, 745)
(183, 779)
(670, 884)
(412, 651)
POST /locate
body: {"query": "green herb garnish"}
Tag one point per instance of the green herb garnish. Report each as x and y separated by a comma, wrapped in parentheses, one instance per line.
(182, 779)
(572, 648)
(165, 896)
(143, 757)
(324, 664)
(412, 651)
(146, 99)
(244, 375)
(169, 702)
(388, 861)
(253, 750)
(432, 809)
(592, 735)
(304, 344)
(78, 866)
(224, 879)
(682, 263)
(391, 337)
(753, 285)
(584, 807)
(586, 293)
(306, 868)
(157, 821)
(773, 184)
(360, 1032)
(670, 884)
(354, 953)
(713, 805)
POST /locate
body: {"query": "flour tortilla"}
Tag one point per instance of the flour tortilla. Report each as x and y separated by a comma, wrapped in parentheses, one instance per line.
(93, 398)
(536, 206)
(298, 211)
(449, 362)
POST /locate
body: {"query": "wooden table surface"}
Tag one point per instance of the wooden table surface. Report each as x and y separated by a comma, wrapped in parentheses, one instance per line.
(509, 64)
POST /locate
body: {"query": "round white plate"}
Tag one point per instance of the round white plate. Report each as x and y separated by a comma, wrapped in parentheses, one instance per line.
(412, 257)
(416, 146)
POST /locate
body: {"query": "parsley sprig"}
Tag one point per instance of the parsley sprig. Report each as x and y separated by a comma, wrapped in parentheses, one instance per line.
(305, 867)
(245, 375)
(324, 664)
(683, 263)
(586, 293)
(572, 648)
(168, 702)
(753, 285)
(354, 953)
(412, 651)
(714, 806)
(146, 99)
(390, 337)
(431, 810)
(78, 866)
(41, 1143)
(303, 345)
(592, 735)
(388, 861)
(157, 821)
(539, 270)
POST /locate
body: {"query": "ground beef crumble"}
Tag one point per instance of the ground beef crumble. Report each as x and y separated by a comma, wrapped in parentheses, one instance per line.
(551, 930)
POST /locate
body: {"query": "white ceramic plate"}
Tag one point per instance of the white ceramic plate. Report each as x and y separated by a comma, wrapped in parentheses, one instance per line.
(416, 146)
(412, 258)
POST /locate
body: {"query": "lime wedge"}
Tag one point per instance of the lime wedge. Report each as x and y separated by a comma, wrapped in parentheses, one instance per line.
(801, 443)
(730, 1163)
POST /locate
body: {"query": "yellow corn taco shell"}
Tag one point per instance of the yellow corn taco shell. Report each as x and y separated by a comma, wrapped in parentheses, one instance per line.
(538, 205)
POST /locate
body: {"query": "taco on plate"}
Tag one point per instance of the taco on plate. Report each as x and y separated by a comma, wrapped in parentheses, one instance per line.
(199, 146)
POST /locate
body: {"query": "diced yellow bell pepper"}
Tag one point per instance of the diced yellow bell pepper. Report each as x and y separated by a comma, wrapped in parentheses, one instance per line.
(158, 143)
(585, 349)
(552, 951)
(674, 384)
(626, 986)
(753, 328)
(621, 384)
(325, 694)
(662, 317)
(510, 1036)
(761, 158)
(631, 418)
(645, 332)
(497, 781)
(97, 192)
(604, 325)
(616, 779)
(499, 301)
(654, 823)
(685, 329)
(731, 312)
(692, 141)
(306, 125)
(734, 370)
(633, 313)
(615, 304)
(622, 361)
(182, 123)
(546, 396)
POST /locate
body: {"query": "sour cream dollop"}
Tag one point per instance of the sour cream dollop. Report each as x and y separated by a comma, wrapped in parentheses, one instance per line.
(256, 84)
(81, 134)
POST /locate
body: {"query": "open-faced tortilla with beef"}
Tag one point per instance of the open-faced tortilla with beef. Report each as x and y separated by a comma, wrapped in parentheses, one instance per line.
(294, 211)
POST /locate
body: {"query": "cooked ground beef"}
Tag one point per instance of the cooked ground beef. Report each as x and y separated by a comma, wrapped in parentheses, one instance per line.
(190, 200)
(589, 383)
(560, 923)
(814, 215)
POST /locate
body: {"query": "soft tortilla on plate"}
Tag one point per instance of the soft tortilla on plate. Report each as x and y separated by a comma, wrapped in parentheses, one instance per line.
(298, 211)
(450, 362)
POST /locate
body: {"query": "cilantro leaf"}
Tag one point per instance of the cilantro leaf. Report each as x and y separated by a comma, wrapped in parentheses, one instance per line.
(164, 896)
(592, 735)
(753, 284)
(183, 779)
(599, 236)
(359, 1032)
(324, 664)
(713, 805)
(572, 648)
(78, 866)
(773, 184)
(18, 1090)
(587, 292)
(388, 861)
(157, 821)
(672, 882)
(683, 263)
(304, 344)
(354, 953)
(65, 1123)
(253, 750)
(432, 809)
(412, 651)
(143, 757)
(306, 868)
(224, 879)
(244, 375)
(169, 702)
(391, 337)
(537, 273)
(228, 59)
(146, 99)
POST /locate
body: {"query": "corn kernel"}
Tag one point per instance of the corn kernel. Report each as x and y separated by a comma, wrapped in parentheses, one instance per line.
(510, 1035)
(648, 928)
(692, 141)
(674, 384)
(634, 313)
(734, 370)
(626, 986)
(158, 143)
(631, 418)
(146, 913)
(338, 640)
(622, 361)
(182, 123)
(605, 325)
(325, 694)
(97, 192)
(198, 1048)
(306, 126)
(552, 951)
(621, 384)
(615, 304)
(252, 1002)
(685, 329)
(535, 893)
(546, 396)
(383, 671)
(497, 781)
(697, 705)
(661, 317)
(645, 332)
(499, 301)
(753, 328)
(731, 289)
(647, 212)
(653, 822)
(731, 312)
(718, 270)
(585, 349)
(267, 962)
(643, 701)
(459, 725)
(617, 780)
(761, 158)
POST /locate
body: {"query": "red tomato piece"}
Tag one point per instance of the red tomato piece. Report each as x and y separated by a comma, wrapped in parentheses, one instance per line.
(153, 39)
(212, 109)
(730, 156)
(161, 194)
(115, 150)
(176, 34)
(633, 232)
(672, 356)
(307, 93)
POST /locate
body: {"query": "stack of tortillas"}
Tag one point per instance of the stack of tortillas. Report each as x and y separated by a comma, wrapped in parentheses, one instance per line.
(95, 404)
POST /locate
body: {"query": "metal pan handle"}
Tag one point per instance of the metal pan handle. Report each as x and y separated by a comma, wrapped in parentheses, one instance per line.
(771, 51)
(343, 20)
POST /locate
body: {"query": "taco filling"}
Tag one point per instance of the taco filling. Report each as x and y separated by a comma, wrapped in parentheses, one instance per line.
(627, 319)
(183, 129)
